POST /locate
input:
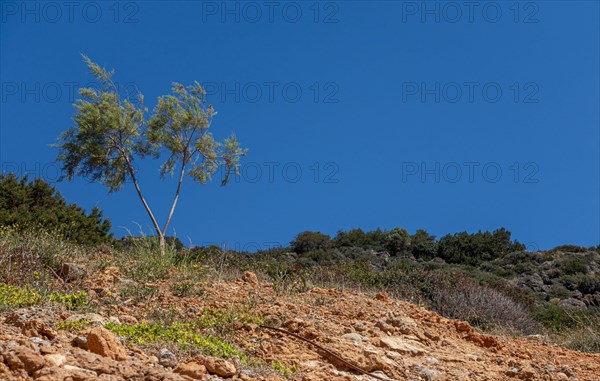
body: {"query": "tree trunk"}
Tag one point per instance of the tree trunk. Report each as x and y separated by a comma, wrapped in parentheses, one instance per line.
(162, 244)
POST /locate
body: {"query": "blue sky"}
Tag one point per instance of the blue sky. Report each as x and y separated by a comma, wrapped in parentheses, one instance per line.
(440, 115)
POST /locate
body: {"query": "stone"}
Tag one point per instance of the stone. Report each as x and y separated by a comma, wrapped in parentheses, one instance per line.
(72, 272)
(354, 337)
(36, 327)
(24, 358)
(166, 358)
(104, 343)
(250, 277)
(360, 327)
(38, 341)
(383, 296)
(432, 361)
(571, 302)
(220, 367)
(128, 319)
(80, 342)
(192, 370)
(462, 326)
(74, 368)
(55, 359)
(568, 371)
(401, 345)
(429, 374)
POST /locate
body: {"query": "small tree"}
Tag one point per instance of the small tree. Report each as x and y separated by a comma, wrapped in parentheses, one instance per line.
(398, 241)
(111, 132)
(309, 241)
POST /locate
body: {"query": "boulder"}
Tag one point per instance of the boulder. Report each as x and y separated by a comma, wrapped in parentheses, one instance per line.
(250, 277)
(104, 343)
(166, 358)
(220, 367)
(72, 272)
(192, 370)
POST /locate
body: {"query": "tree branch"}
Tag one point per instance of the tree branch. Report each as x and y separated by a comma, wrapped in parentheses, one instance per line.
(181, 173)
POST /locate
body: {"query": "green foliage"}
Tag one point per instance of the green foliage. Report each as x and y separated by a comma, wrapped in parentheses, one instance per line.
(71, 301)
(142, 260)
(186, 288)
(358, 238)
(397, 241)
(225, 320)
(423, 245)
(472, 249)
(184, 335)
(17, 297)
(283, 370)
(139, 293)
(180, 126)
(111, 133)
(574, 265)
(33, 204)
(569, 249)
(73, 325)
(555, 317)
(309, 241)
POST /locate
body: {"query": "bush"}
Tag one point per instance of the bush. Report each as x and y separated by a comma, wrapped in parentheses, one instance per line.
(374, 240)
(569, 249)
(397, 241)
(423, 245)
(460, 297)
(26, 204)
(30, 257)
(574, 265)
(472, 249)
(309, 241)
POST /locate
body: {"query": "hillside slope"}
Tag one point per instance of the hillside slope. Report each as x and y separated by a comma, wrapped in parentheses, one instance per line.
(391, 338)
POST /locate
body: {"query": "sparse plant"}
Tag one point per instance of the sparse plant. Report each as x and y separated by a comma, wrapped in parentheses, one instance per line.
(74, 325)
(139, 293)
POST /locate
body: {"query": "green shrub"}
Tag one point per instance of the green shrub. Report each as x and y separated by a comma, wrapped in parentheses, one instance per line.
(569, 249)
(309, 241)
(589, 284)
(555, 317)
(17, 297)
(397, 241)
(183, 335)
(374, 240)
(574, 265)
(472, 249)
(26, 203)
(423, 245)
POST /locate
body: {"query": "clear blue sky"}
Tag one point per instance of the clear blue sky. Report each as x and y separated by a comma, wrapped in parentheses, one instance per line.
(443, 116)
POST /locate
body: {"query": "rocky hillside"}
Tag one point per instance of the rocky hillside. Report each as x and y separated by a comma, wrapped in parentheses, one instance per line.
(171, 329)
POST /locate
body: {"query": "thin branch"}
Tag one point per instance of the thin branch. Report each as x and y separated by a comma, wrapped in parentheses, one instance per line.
(181, 174)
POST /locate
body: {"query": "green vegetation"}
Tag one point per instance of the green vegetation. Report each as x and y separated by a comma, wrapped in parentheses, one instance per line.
(225, 321)
(16, 297)
(74, 325)
(112, 132)
(183, 335)
(309, 241)
(30, 204)
(283, 370)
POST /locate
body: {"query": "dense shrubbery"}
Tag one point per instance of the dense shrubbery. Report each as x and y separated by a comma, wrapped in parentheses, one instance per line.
(309, 241)
(31, 204)
(475, 248)
(460, 248)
